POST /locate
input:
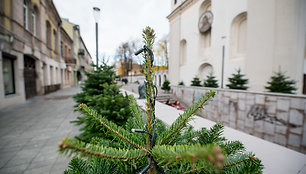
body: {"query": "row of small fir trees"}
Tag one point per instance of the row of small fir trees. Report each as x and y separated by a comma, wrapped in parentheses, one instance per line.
(121, 138)
(279, 82)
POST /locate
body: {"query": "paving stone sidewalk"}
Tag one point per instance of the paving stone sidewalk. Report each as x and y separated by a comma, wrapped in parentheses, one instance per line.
(30, 132)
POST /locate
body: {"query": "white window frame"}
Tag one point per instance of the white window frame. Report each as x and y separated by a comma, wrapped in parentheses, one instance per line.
(25, 15)
(34, 23)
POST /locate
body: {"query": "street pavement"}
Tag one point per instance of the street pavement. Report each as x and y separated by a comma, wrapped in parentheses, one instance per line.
(30, 133)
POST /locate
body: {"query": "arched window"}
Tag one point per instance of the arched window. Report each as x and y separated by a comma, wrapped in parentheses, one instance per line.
(25, 15)
(48, 34)
(183, 52)
(204, 70)
(239, 36)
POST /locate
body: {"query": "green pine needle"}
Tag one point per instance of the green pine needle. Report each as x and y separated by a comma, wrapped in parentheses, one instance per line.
(168, 136)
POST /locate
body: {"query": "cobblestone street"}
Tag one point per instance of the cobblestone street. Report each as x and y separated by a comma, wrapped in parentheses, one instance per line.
(30, 132)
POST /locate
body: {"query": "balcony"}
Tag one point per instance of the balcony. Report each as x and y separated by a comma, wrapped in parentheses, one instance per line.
(81, 52)
(71, 61)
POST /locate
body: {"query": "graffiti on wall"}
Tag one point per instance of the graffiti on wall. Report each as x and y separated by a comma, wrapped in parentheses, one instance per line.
(259, 112)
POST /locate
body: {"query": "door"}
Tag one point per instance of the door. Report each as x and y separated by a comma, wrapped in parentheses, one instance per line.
(29, 77)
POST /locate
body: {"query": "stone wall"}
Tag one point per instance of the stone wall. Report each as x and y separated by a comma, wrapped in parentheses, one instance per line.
(279, 118)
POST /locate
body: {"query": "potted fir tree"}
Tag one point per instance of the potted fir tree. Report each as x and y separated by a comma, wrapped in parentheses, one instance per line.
(237, 81)
(211, 81)
(281, 83)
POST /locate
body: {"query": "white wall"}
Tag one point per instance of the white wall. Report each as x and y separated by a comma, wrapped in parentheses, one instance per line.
(275, 38)
(185, 26)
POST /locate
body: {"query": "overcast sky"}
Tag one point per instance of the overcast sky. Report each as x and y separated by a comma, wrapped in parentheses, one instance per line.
(120, 20)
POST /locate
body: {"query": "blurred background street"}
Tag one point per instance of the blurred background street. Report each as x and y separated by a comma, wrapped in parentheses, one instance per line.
(30, 133)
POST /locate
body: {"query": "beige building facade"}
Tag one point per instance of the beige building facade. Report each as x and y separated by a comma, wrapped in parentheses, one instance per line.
(79, 51)
(259, 37)
(31, 60)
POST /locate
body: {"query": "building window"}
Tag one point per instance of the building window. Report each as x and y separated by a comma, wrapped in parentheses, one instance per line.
(48, 34)
(54, 40)
(69, 52)
(8, 75)
(25, 15)
(204, 70)
(61, 48)
(66, 52)
(34, 22)
(175, 1)
(183, 52)
(239, 36)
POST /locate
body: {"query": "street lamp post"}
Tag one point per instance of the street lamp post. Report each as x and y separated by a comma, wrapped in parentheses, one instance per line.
(97, 17)
(223, 52)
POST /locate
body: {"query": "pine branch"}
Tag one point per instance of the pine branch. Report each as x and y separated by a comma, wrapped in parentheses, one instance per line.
(75, 146)
(95, 166)
(242, 163)
(77, 165)
(119, 132)
(183, 119)
(213, 135)
(190, 136)
(195, 170)
(136, 111)
(232, 147)
(171, 155)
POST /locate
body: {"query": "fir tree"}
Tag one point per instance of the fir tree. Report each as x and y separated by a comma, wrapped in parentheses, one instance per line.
(237, 81)
(181, 83)
(156, 148)
(166, 85)
(280, 83)
(101, 94)
(196, 82)
(93, 85)
(211, 81)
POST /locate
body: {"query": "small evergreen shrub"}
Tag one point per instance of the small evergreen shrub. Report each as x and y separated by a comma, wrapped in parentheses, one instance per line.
(211, 81)
(181, 83)
(281, 83)
(237, 81)
(166, 85)
(196, 82)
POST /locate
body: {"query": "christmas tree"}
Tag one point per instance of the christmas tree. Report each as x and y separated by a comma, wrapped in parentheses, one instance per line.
(196, 82)
(211, 81)
(148, 145)
(280, 83)
(181, 83)
(237, 81)
(166, 85)
(101, 94)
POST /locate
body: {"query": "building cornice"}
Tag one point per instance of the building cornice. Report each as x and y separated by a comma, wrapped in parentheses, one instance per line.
(66, 35)
(181, 8)
(53, 11)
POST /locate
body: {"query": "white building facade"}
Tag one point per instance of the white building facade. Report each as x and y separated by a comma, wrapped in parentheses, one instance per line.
(258, 36)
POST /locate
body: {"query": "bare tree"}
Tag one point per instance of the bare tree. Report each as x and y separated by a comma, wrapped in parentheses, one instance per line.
(162, 51)
(125, 54)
